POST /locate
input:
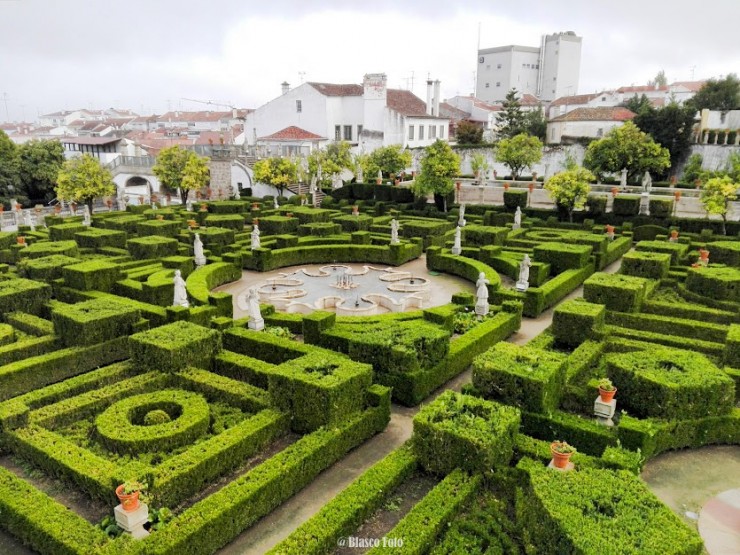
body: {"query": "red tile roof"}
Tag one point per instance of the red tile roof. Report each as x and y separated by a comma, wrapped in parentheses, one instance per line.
(487, 105)
(449, 111)
(194, 116)
(642, 89)
(331, 89)
(406, 103)
(529, 100)
(693, 86)
(607, 113)
(572, 100)
(293, 133)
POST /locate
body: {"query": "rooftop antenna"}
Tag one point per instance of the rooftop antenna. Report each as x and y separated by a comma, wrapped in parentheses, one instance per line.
(301, 74)
(693, 68)
(5, 100)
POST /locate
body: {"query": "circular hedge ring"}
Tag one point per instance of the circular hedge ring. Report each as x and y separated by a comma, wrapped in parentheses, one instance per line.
(122, 427)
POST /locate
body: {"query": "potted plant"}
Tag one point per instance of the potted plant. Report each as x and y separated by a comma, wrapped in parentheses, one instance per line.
(561, 453)
(606, 390)
(506, 186)
(130, 493)
(615, 191)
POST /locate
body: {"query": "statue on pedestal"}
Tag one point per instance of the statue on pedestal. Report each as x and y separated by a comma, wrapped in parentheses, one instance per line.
(394, 232)
(181, 294)
(623, 178)
(200, 258)
(518, 217)
(86, 215)
(647, 182)
(457, 245)
(481, 295)
(522, 283)
(256, 322)
(461, 218)
(255, 237)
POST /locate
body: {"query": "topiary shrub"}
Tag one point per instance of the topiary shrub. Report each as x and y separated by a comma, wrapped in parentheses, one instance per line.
(661, 208)
(616, 291)
(732, 347)
(676, 250)
(575, 321)
(47, 268)
(174, 347)
(722, 284)
(726, 252)
(596, 205)
(94, 321)
(562, 256)
(652, 265)
(23, 295)
(98, 275)
(626, 205)
(528, 378)
(512, 199)
(156, 247)
(156, 416)
(670, 384)
(460, 431)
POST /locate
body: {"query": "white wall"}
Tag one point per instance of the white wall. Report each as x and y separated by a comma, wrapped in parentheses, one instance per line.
(715, 120)
(562, 66)
(595, 129)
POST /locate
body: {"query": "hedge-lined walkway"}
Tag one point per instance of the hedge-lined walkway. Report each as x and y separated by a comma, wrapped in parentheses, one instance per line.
(279, 524)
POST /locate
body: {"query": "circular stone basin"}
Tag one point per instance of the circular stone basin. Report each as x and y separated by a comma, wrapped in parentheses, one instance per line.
(121, 427)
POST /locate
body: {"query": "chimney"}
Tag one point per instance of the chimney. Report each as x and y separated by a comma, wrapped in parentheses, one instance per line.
(286, 86)
(435, 111)
(429, 97)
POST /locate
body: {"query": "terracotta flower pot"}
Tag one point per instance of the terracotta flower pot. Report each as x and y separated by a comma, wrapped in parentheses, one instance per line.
(506, 186)
(674, 234)
(607, 396)
(615, 190)
(21, 240)
(192, 223)
(129, 501)
(560, 460)
(204, 207)
(378, 181)
(160, 217)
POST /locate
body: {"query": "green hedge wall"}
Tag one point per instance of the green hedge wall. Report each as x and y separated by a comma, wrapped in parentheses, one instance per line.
(661, 208)
(94, 321)
(23, 295)
(515, 198)
(722, 284)
(462, 266)
(528, 378)
(48, 248)
(732, 348)
(164, 228)
(155, 246)
(278, 225)
(576, 320)
(626, 205)
(482, 235)
(228, 221)
(677, 250)
(319, 229)
(593, 509)
(616, 291)
(725, 252)
(460, 431)
(680, 327)
(651, 265)
(174, 347)
(562, 257)
(670, 384)
(96, 238)
(99, 275)
(47, 268)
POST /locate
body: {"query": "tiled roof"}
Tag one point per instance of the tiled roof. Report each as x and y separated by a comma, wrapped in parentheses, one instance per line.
(529, 100)
(293, 133)
(642, 89)
(693, 86)
(331, 89)
(487, 105)
(449, 111)
(575, 99)
(193, 116)
(607, 113)
(406, 103)
(89, 140)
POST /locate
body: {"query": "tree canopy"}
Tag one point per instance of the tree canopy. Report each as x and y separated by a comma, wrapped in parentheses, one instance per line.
(195, 175)
(84, 179)
(569, 189)
(278, 172)
(468, 133)
(332, 160)
(628, 147)
(519, 152)
(716, 195)
(439, 164)
(511, 120)
(170, 169)
(718, 94)
(391, 159)
(40, 162)
(10, 179)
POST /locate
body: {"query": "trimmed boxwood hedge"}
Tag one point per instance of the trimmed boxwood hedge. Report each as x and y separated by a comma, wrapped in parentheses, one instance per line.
(677, 250)
(593, 509)
(154, 246)
(562, 257)
(460, 431)
(47, 248)
(23, 295)
(626, 205)
(725, 252)
(528, 378)
(616, 291)
(47, 268)
(575, 321)
(652, 265)
(670, 384)
(91, 274)
(722, 284)
(174, 347)
(96, 238)
(94, 321)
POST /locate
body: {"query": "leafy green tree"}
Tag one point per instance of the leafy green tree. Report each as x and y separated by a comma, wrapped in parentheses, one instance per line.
(10, 178)
(170, 168)
(195, 175)
(535, 124)
(511, 120)
(278, 172)
(718, 94)
(638, 104)
(671, 127)
(692, 171)
(439, 165)
(468, 133)
(660, 80)
(716, 195)
(391, 159)
(332, 160)
(40, 162)
(519, 152)
(569, 189)
(84, 179)
(628, 147)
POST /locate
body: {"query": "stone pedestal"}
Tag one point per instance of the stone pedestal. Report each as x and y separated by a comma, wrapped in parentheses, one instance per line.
(256, 325)
(456, 250)
(522, 286)
(604, 411)
(133, 522)
(570, 466)
(516, 226)
(645, 204)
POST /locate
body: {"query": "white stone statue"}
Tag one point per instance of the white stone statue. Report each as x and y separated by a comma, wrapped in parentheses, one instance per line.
(121, 204)
(623, 178)
(200, 258)
(255, 237)
(461, 218)
(313, 186)
(360, 176)
(394, 232)
(256, 322)
(518, 217)
(481, 295)
(647, 182)
(522, 283)
(189, 205)
(457, 245)
(181, 293)
(380, 176)
(86, 215)
(275, 203)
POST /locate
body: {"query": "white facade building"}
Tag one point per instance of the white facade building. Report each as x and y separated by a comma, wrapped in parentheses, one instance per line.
(367, 116)
(547, 72)
(586, 122)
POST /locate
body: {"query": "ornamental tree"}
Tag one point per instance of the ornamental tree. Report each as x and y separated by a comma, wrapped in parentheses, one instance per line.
(519, 152)
(40, 162)
(626, 147)
(83, 179)
(278, 172)
(10, 180)
(468, 133)
(325, 163)
(439, 164)
(170, 168)
(391, 159)
(718, 94)
(511, 121)
(671, 126)
(716, 195)
(569, 189)
(195, 175)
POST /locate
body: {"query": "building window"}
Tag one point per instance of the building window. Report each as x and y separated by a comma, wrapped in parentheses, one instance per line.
(337, 132)
(298, 106)
(441, 131)
(347, 132)
(498, 83)
(600, 132)
(359, 131)
(411, 132)
(498, 66)
(488, 85)
(554, 78)
(421, 132)
(191, 124)
(537, 66)
(432, 131)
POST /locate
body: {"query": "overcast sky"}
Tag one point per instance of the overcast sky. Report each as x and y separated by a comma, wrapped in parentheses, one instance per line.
(150, 55)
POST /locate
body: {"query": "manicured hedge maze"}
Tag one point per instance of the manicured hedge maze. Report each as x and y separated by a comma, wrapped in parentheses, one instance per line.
(102, 381)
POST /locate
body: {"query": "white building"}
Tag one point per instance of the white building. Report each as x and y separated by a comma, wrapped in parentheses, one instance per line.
(547, 72)
(367, 116)
(586, 122)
